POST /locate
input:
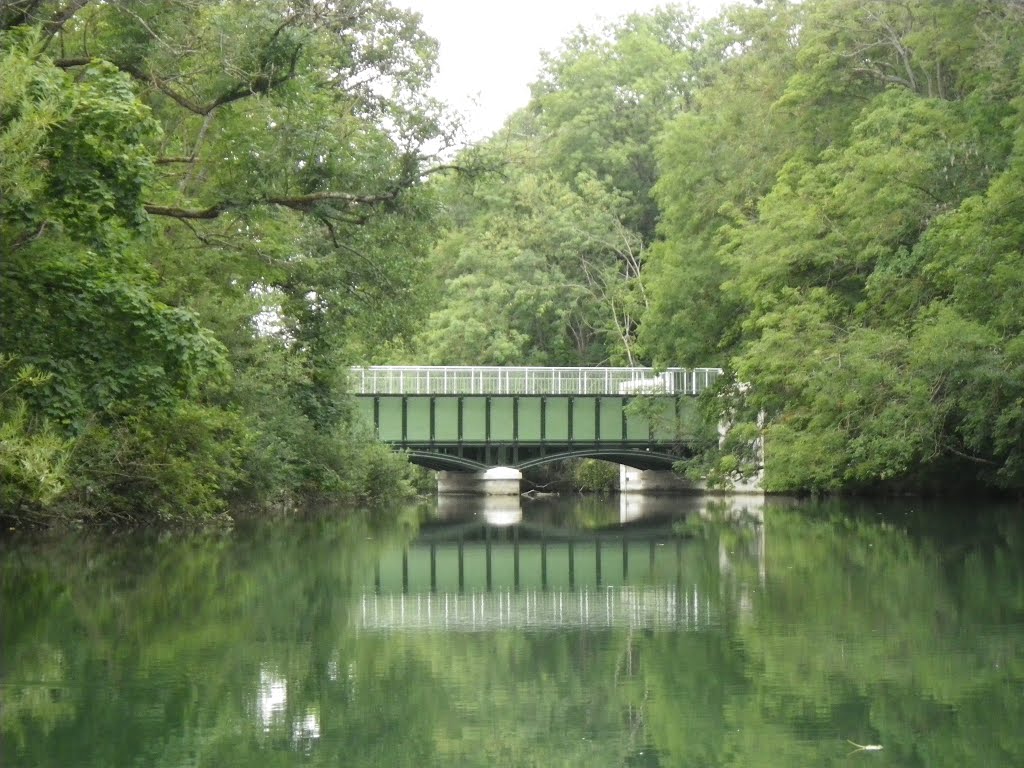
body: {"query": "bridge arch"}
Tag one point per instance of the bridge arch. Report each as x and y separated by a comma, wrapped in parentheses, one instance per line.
(441, 462)
(638, 459)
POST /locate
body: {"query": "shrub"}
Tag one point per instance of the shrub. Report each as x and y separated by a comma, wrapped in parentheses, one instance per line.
(168, 464)
(595, 476)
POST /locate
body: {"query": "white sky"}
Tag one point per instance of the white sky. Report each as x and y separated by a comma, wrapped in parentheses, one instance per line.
(490, 51)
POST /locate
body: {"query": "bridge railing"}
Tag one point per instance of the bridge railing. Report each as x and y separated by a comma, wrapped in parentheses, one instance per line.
(525, 380)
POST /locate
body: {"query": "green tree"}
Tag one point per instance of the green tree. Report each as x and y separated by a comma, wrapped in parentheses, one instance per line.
(878, 142)
(180, 181)
(534, 271)
(603, 97)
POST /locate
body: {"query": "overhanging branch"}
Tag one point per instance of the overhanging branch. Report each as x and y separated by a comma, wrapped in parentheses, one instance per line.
(303, 203)
(260, 83)
(339, 201)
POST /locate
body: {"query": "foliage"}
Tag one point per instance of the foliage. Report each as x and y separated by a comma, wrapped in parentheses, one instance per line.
(32, 455)
(542, 259)
(818, 197)
(192, 196)
(595, 476)
(215, 208)
(839, 265)
(167, 464)
(539, 274)
(602, 98)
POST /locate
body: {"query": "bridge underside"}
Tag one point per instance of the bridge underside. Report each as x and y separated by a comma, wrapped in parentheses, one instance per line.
(473, 458)
(473, 432)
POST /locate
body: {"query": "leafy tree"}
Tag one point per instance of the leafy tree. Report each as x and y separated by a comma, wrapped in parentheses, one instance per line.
(820, 285)
(716, 160)
(179, 180)
(533, 271)
(602, 98)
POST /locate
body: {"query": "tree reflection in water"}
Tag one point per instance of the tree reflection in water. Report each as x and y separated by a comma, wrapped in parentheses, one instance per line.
(820, 623)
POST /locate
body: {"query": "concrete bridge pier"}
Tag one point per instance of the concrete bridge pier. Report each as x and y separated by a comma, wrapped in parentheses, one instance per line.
(496, 481)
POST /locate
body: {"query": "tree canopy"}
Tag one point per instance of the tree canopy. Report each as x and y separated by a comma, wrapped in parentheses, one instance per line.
(818, 196)
(206, 211)
(870, 327)
(209, 210)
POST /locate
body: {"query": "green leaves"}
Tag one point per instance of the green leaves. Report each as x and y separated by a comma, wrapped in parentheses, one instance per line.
(601, 101)
(181, 168)
(32, 456)
(858, 250)
(541, 272)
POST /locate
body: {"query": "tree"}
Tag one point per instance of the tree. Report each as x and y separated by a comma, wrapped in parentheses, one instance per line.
(171, 171)
(534, 271)
(820, 285)
(604, 96)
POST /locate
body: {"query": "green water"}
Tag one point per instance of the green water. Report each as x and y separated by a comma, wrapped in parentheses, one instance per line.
(354, 642)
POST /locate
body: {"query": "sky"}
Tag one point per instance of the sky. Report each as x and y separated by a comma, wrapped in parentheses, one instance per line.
(490, 51)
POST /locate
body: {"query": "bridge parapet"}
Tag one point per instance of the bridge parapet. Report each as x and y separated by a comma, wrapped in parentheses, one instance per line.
(527, 380)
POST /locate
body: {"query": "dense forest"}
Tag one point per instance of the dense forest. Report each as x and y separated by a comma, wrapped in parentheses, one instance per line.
(824, 198)
(209, 210)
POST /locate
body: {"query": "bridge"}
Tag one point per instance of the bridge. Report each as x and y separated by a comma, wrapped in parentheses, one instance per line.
(471, 418)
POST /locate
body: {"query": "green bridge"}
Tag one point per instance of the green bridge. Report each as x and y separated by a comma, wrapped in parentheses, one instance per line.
(469, 418)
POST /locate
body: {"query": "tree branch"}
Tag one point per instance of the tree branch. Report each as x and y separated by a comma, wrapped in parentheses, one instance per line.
(60, 18)
(186, 213)
(970, 457)
(303, 203)
(259, 84)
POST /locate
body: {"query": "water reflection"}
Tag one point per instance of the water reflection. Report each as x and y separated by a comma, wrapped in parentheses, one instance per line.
(750, 637)
(273, 695)
(498, 511)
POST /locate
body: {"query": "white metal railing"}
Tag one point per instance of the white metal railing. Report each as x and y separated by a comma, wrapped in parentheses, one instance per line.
(500, 380)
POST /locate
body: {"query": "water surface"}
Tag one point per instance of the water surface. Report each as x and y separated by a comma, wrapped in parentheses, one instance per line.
(576, 633)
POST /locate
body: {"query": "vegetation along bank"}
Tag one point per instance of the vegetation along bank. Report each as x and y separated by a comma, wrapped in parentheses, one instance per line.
(208, 211)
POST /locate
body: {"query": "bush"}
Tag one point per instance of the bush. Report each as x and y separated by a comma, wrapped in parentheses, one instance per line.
(32, 466)
(595, 476)
(169, 464)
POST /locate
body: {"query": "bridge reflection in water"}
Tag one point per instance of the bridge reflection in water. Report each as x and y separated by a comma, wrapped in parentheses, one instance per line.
(497, 570)
(640, 607)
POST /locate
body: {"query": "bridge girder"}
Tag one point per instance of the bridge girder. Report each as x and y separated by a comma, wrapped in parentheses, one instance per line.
(471, 433)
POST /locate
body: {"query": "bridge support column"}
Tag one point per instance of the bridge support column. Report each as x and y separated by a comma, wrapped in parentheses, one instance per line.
(496, 481)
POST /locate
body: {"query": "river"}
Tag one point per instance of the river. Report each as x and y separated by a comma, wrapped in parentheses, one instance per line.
(674, 632)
